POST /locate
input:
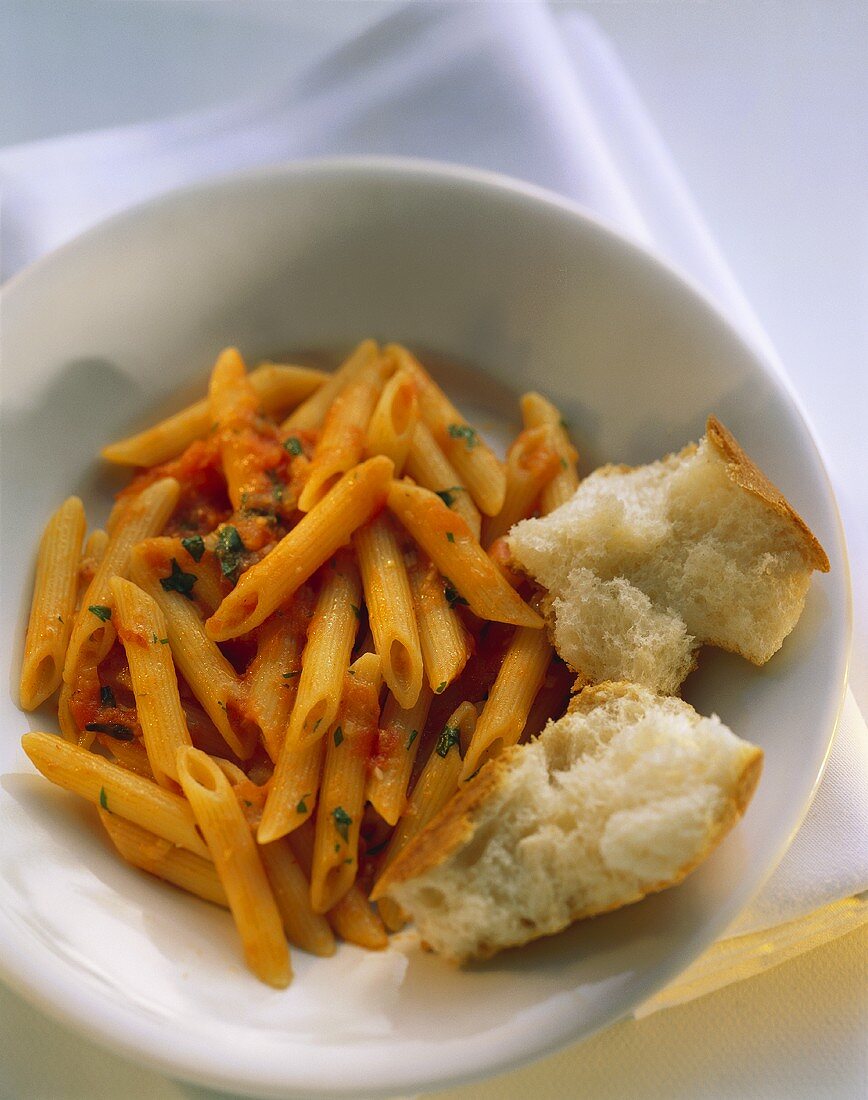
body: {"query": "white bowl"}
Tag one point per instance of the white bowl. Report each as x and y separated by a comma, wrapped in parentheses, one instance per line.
(122, 325)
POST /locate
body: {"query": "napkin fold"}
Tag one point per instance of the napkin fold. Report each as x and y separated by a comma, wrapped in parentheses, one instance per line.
(538, 93)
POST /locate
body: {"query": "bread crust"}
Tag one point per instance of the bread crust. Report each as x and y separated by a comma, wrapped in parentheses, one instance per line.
(456, 823)
(742, 471)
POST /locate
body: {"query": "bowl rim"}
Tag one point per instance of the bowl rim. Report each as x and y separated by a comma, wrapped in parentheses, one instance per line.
(36, 984)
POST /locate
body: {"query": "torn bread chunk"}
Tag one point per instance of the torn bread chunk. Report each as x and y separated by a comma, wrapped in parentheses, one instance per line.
(643, 565)
(621, 797)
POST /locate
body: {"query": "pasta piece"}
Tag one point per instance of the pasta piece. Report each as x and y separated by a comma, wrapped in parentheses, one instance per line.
(159, 857)
(442, 637)
(428, 466)
(506, 710)
(277, 388)
(115, 789)
(390, 431)
(446, 539)
(531, 463)
(130, 755)
(310, 414)
(265, 586)
(52, 610)
(211, 677)
(273, 675)
(238, 865)
(341, 444)
(353, 918)
(398, 742)
(435, 786)
(342, 794)
(390, 608)
(537, 410)
(68, 726)
(208, 588)
(303, 927)
(294, 789)
(141, 516)
(232, 404)
(479, 468)
(140, 625)
(327, 653)
(92, 554)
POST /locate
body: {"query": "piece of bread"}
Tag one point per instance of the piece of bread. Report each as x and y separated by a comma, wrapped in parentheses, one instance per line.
(621, 797)
(644, 565)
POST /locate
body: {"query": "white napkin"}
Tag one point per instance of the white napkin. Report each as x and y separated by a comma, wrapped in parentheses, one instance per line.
(535, 92)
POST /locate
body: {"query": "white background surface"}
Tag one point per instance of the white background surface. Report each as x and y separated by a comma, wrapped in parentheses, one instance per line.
(765, 108)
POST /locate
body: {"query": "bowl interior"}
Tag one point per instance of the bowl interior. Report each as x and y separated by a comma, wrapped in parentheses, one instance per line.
(503, 289)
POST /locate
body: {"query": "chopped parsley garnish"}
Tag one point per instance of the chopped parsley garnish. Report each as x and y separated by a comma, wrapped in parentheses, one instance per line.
(448, 495)
(450, 537)
(357, 611)
(472, 775)
(179, 581)
(413, 735)
(339, 736)
(450, 736)
(301, 808)
(195, 546)
(317, 723)
(107, 697)
(342, 821)
(465, 432)
(114, 729)
(102, 613)
(293, 445)
(103, 798)
(453, 596)
(441, 687)
(60, 618)
(563, 464)
(229, 550)
(277, 485)
(291, 675)
(164, 641)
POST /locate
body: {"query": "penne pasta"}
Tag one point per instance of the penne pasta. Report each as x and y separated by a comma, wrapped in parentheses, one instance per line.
(115, 789)
(208, 587)
(273, 675)
(160, 857)
(130, 755)
(211, 677)
(398, 741)
(52, 610)
(141, 517)
(141, 626)
(531, 463)
(509, 701)
(392, 424)
(353, 501)
(232, 405)
(446, 539)
(326, 657)
(310, 414)
(303, 927)
(277, 388)
(349, 745)
(292, 795)
(390, 608)
(537, 410)
(441, 635)
(436, 784)
(238, 865)
(478, 467)
(428, 466)
(341, 444)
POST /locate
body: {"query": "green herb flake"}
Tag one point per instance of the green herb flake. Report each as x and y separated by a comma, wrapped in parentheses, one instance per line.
(472, 775)
(195, 546)
(339, 736)
(450, 736)
(277, 485)
(450, 537)
(413, 735)
(107, 697)
(564, 464)
(317, 724)
(293, 445)
(441, 687)
(448, 495)
(292, 675)
(301, 808)
(465, 432)
(453, 596)
(246, 802)
(102, 613)
(342, 821)
(103, 799)
(60, 618)
(357, 611)
(164, 641)
(179, 581)
(229, 550)
(116, 730)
